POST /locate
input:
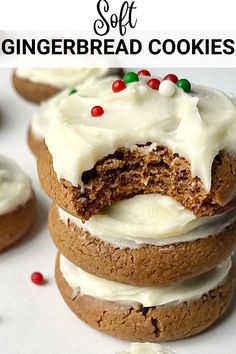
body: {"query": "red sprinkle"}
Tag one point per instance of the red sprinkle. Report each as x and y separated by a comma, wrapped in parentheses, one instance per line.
(118, 85)
(154, 83)
(144, 73)
(37, 278)
(97, 111)
(171, 77)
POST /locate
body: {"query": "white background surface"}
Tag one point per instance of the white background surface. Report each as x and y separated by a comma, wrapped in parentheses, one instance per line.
(35, 319)
(176, 59)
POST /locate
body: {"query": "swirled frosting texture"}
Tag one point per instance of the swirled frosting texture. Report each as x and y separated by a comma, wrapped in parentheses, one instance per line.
(49, 111)
(63, 77)
(15, 186)
(196, 125)
(88, 284)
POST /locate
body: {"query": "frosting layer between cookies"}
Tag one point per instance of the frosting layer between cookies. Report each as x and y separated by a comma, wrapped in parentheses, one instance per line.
(149, 219)
(63, 77)
(189, 290)
(196, 125)
(15, 186)
(145, 348)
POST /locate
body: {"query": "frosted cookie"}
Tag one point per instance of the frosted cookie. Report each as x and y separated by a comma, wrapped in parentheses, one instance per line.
(17, 203)
(145, 348)
(49, 112)
(38, 85)
(111, 145)
(146, 314)
(146, 240)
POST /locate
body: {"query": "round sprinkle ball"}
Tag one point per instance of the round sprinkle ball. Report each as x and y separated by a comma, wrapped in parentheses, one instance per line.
(97, 111)
(171, 77)
(72, 91)
(37, 278)
(118, 85)
(184, 85)
(167, 88)
(130, 77)
(144, 73)
(153, 83)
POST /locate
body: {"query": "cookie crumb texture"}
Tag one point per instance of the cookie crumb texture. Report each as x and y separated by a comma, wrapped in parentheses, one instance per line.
(16, 224)
(33, 91)
(154, 324)
(129, 172)
(145, 266)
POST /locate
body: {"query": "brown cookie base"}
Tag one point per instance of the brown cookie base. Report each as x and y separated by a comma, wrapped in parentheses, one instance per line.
(37, 92)
(16, 224)
(130, 172)
(33, 91)
(33, 143)
(145, 266)
(153, 324)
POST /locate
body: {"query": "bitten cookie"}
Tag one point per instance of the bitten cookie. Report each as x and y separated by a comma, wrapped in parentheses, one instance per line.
(49, 112)
(140, 140)
(37, 85)
(157, 243)
(146, 314)
(17, 203)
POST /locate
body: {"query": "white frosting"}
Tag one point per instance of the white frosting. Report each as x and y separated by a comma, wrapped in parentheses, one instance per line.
(149, 219)
(63, 77)
(196, 125)
(15, 186)
(49, 112)
(188, 290)
(145, 348)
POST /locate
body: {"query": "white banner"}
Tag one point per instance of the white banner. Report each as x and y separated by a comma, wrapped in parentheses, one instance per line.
(132, 49)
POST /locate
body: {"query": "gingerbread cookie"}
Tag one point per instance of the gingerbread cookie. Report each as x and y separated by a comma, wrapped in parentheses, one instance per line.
(146, 314)
(17, 203)
(37, 85)
(146, 240)
(33, 91)
(142, 175)
(141, 140)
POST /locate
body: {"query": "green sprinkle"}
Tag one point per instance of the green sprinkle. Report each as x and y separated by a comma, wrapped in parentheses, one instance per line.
(72, 91)
(184, 85)
(130, 77)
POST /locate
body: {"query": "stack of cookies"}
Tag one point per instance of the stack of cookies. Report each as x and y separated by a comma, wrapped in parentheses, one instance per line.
(142, 174)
